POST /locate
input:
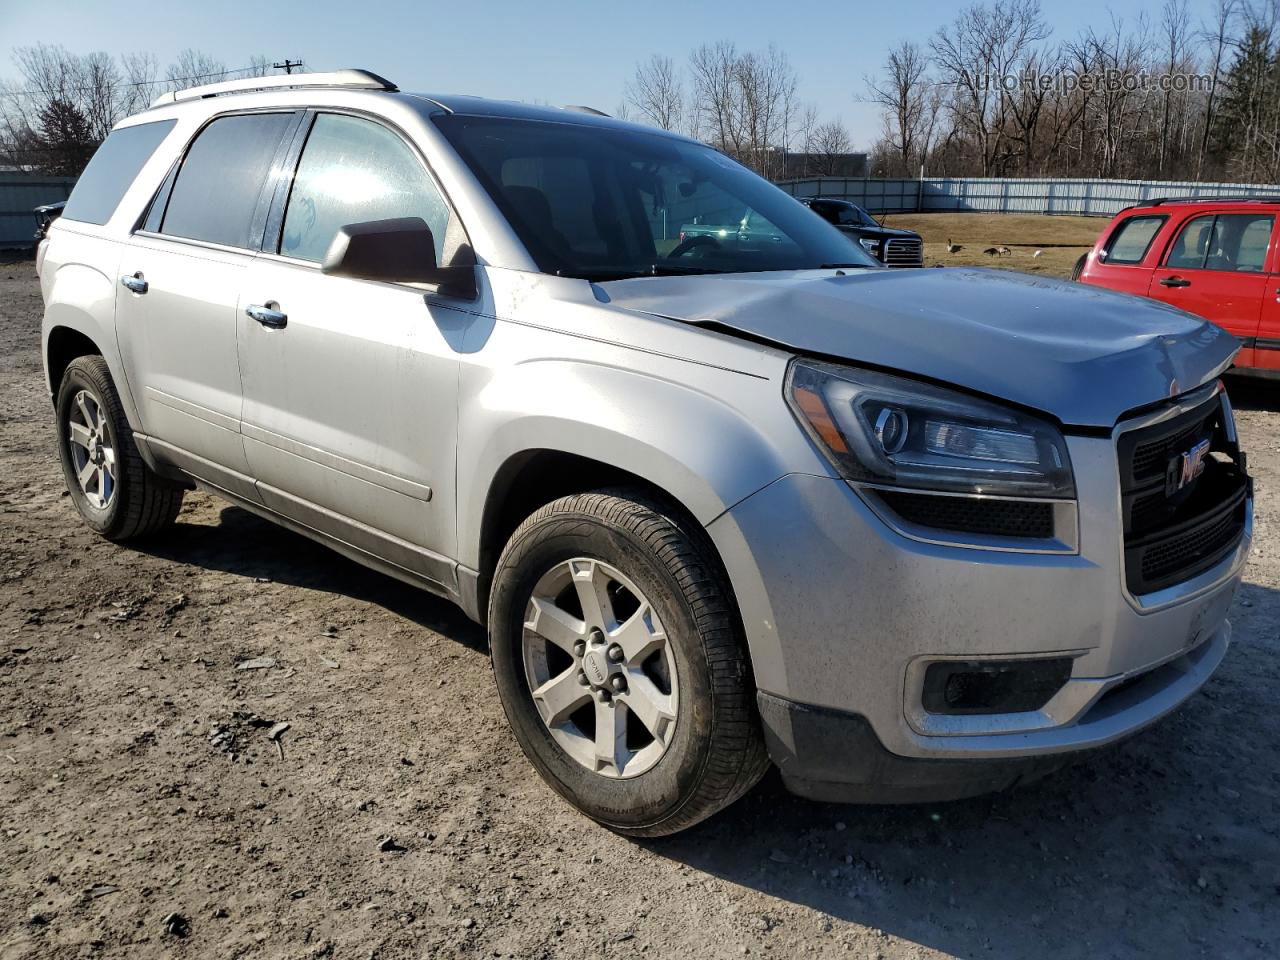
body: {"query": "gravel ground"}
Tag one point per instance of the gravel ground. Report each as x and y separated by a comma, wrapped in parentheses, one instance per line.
(146, 811)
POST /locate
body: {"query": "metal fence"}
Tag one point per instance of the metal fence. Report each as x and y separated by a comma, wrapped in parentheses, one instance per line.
(1093, 198)
(20, 193)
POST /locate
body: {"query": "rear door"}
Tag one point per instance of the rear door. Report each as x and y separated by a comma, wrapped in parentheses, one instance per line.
(350, 417)
(1126, 258)
(1216, 268)
(1266, 353)
(184, 269)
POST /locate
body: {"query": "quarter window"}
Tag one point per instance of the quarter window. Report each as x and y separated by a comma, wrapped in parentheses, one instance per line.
(218, 194)
(1229, 242)
(1129, 244)
(102, 185)
(352, 171)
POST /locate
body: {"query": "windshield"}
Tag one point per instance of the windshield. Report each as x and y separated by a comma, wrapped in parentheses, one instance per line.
(602, 203)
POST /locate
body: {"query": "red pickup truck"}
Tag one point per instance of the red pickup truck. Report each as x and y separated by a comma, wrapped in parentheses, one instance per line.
(1218, 258)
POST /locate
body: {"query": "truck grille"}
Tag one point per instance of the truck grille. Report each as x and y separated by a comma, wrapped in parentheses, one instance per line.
(1174, 531)
(904, 252)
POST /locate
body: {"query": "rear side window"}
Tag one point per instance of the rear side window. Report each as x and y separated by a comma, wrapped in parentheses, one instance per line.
(1230, 242)
(98, 191)
(1130, 243)
(353, 171)
(219, 187)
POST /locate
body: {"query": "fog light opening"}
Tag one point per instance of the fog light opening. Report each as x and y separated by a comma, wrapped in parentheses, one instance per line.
(968, 687)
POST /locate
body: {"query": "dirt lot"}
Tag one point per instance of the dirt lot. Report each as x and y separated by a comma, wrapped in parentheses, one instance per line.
(1059, 240)
(138, 780)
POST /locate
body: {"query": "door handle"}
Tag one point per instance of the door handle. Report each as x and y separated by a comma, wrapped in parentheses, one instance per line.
(267, 315)
(1174, 282)
(134, 282)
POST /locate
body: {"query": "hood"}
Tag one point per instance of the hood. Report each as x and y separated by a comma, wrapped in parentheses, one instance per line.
(877, 232)
(1079, 353)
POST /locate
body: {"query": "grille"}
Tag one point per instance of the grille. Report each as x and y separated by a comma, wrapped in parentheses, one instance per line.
(1190, 550)
(1171, 534)
(904, 252)
(992, 518)
(1151, 457)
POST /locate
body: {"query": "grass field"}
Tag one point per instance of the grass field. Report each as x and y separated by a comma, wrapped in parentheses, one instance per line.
(1022, 234)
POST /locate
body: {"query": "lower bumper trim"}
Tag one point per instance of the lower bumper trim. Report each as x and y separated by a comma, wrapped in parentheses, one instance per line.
(834, 756)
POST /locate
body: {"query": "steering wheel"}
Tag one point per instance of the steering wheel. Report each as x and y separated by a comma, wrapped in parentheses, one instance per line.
(693, 243)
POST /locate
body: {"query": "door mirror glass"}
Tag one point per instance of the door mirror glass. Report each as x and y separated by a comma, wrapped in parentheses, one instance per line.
(399, 250)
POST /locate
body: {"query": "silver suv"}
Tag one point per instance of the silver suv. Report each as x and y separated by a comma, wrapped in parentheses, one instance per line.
(909, 535)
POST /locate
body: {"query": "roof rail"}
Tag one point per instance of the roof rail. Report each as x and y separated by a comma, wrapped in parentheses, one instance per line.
(1162, 200)
(579, 108)
(351, 79)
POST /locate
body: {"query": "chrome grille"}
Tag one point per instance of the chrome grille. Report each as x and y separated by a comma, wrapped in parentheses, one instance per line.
(904, 252)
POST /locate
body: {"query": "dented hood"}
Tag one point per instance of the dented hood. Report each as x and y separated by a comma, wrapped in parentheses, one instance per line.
(1079, 353)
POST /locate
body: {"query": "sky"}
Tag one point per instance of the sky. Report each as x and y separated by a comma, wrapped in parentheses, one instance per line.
(548, 51)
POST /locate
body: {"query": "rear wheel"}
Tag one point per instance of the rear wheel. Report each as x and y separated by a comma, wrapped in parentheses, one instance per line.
(620, 663)
(116, 493)
(1079, 267)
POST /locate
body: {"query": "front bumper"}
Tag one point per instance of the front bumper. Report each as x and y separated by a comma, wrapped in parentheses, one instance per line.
(835, 756)
(841, 612)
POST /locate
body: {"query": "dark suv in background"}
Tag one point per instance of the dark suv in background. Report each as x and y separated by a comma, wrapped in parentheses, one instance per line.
(894, 248)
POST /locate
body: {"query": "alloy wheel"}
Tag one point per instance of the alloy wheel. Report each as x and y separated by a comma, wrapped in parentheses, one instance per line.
(600, 668)
(93, 453)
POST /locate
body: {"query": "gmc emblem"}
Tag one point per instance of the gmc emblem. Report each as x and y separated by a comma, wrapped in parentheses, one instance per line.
(1185, 467)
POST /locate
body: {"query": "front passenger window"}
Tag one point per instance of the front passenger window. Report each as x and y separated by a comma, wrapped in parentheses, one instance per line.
(352, 171)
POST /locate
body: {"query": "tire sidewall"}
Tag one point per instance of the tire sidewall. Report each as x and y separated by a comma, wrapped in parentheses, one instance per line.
(80, 376)
(657, 794)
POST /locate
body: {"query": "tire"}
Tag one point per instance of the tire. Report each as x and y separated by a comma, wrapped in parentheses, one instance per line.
(135, 502)
(712, 751)
(1079, 267)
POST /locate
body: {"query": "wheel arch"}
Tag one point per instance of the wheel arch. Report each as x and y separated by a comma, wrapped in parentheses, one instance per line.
(63, 345)
(530, 479)
(79, 320)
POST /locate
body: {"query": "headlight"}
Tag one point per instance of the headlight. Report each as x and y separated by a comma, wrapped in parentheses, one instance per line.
(878, 428)
(871, 246)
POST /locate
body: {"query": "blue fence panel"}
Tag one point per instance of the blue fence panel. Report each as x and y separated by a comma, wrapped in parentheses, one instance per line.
(21, 193)
(1093, 198)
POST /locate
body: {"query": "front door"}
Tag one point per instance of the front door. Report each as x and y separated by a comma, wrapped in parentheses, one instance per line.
(350, 386)
(177, 304)
(1216, 269)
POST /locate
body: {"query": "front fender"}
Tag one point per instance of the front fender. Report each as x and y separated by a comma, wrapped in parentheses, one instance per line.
(707, 445)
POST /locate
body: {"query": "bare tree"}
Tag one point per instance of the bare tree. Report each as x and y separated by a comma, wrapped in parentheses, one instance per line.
(904, 94)
(193, 68)
(830, 144)
(61, 99)
(745, 102)
(657, 93)
(139, 86)
(1224, 12)
(259, 66)
(977, 54)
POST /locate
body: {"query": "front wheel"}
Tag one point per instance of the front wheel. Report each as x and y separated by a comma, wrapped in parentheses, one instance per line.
(620, 663)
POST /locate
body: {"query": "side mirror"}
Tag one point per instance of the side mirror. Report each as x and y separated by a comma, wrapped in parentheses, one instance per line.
(400, 250)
